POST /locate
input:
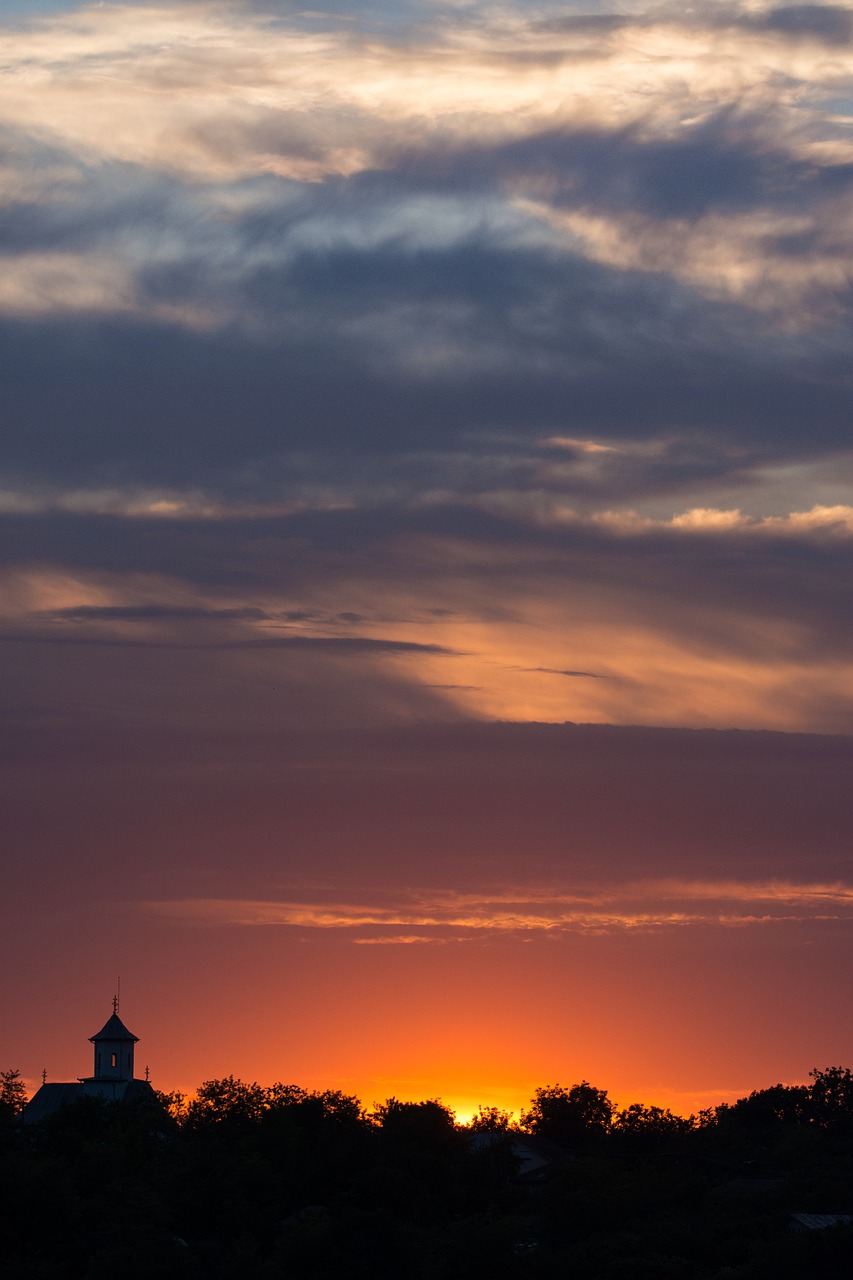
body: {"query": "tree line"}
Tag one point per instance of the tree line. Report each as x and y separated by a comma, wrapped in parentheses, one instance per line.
(578, 1114)
(283, 1183)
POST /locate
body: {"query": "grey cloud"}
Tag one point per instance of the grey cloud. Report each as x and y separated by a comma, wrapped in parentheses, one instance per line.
(474, 688)
(553, 345)
(745, 593)
(556, 671)
(344, 644)
(329, 351)
(582, 23)
(828, 22)
(157, 613)
(352, 345)
(332, 645)
(728, 161)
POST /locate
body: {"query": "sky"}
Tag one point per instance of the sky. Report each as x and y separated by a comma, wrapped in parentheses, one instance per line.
(426, 534)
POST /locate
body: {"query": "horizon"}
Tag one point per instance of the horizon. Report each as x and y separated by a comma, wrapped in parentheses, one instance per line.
(464, 1106)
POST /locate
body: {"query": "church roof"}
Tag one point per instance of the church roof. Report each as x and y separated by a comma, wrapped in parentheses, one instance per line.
(114, 1029)
(51, 1098)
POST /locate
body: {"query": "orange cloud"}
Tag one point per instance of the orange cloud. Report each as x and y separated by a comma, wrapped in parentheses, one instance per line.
(630, 907)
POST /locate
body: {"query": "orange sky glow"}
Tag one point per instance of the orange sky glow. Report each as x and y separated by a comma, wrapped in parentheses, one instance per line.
(373, 972)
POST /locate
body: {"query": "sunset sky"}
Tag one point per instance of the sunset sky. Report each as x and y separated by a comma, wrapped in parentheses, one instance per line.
(426, 490)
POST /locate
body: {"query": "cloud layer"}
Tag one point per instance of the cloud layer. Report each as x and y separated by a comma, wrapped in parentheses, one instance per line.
(460, 917)
(545, 316)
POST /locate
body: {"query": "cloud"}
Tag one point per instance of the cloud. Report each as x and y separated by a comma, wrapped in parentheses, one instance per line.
(830, 23)
(644, 907)
(295, 796)
(476, 349)
(556, 671)
(709, 617)
(348, 645)
(157, 613)
(663, 268)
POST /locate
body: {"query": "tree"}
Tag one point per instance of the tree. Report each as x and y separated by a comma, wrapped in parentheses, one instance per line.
(490, 1120)
(764, 1108)
(428, 1121)
(226, 1101)
(831, 1097)
(570, 1116)
(13, 1093)
(280, 1095)
(342, 1108)
(174, 1103)
(643, 1128)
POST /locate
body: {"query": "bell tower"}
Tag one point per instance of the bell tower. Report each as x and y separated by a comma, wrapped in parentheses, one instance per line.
(113, 1050)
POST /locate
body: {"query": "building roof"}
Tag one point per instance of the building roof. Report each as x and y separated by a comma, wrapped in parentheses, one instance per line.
(114, 1029)
(819, 1221)
(534, 1156)
(523, 1144)
(51, 1098)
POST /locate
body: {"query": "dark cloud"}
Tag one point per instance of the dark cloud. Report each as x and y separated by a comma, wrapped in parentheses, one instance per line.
(557, 671)
(470, 687)
(727, 161)
(157, 613)
(388, 354)
(830, 23)
(326, 354)
(749, 593)
(613, 169)
(582, 23)
(346, 645)
(553, 344)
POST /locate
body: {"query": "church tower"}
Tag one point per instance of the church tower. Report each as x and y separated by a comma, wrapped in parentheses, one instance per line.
(113, 1080)
(113, 1050)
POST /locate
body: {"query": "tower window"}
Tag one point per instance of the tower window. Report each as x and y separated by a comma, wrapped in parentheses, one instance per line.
(113, 1060)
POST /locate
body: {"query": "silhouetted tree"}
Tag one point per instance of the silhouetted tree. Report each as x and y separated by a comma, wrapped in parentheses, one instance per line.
(280, 1181)
(339, 1107)
(569, 1116)
(490, 1120)
(831, 1097)
(226, 1101)
(421, 1156)
(415, 1121)
(763, 1108)
(174, 1103)
(13, 1093)
(642, 1128)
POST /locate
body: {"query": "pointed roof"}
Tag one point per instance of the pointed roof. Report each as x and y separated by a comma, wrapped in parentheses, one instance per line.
(114, 1029)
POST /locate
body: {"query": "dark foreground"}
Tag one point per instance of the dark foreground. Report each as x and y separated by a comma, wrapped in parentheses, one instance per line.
(280, 1183)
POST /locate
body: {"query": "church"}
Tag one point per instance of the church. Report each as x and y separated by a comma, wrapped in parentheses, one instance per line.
(112, 1078)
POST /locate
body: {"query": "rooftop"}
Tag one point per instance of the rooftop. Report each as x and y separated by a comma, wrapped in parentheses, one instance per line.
(114, 1029)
